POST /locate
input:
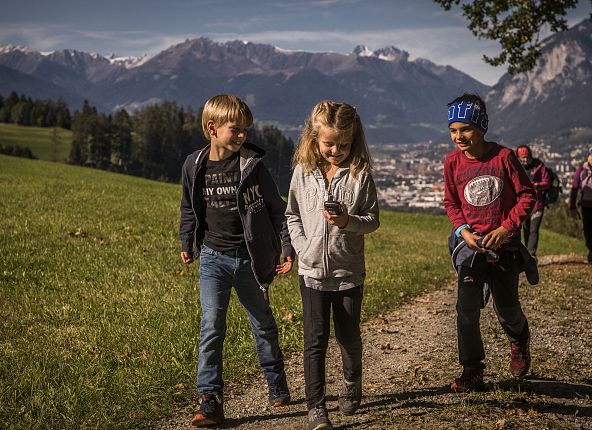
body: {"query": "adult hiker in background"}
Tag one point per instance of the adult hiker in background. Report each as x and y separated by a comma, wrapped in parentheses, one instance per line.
(582, 181)
(539, 175)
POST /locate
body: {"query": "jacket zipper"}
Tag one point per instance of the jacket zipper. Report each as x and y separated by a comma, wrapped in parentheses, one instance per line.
(329, 196)
(253, 162)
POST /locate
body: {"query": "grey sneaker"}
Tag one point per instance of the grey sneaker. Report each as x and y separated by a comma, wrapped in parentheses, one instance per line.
(350, 398)
(318, 419)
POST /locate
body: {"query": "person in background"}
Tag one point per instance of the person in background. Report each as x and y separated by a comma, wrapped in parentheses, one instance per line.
(582, 183)
(541, 180)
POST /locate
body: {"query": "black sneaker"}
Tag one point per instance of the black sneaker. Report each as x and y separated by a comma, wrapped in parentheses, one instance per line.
(350, 398)
(211, 411)
(279, 393)
(318, 419)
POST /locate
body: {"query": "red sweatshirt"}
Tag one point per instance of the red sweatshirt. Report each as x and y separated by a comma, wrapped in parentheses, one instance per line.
(487, 192)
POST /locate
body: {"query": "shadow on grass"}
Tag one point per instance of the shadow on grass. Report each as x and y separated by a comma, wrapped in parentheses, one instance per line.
(266, 415)
(547, 387)
(425, 400)
(557, 398)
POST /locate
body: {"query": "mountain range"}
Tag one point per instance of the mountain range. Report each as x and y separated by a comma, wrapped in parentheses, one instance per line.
(555, 96)
(400, 98)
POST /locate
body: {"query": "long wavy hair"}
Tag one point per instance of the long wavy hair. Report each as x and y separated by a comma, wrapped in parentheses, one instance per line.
(343, 118)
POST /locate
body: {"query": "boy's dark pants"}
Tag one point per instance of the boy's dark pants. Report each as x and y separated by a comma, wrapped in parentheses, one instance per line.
(316, 310)
(502, 279)
(531, 228)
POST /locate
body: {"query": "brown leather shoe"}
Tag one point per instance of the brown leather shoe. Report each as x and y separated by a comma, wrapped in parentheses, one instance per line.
(471, 379)
(211, 411)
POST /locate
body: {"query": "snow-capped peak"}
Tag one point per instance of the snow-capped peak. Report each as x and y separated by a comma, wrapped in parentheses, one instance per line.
(390, 53)
(363, 51)
(129, 61)
(11, 48)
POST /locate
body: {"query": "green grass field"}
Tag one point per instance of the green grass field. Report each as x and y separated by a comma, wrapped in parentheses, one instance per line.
(99, 323)
(38, 139)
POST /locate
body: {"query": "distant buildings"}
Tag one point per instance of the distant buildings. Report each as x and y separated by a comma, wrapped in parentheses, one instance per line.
(410, 177)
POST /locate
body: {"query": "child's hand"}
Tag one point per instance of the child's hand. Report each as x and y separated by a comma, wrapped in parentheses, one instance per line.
(284, 268)
(495, 238)
(186, 257)
(471, 240)
(340, 220)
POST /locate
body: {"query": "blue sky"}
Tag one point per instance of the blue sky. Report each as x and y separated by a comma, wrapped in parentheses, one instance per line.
(137, 27)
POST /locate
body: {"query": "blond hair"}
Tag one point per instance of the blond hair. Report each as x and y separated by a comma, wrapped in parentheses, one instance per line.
(224, 108)
(343, 118)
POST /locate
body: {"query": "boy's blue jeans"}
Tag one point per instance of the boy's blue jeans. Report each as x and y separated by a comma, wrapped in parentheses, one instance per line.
(218, 273)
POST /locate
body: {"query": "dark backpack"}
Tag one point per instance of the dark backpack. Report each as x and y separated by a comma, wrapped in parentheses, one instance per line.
(553, 193)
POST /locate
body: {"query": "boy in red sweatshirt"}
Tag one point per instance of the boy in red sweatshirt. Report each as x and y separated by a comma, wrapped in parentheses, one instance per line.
(488, 195)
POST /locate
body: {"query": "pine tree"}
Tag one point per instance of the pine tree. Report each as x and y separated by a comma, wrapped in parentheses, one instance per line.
(121, 144)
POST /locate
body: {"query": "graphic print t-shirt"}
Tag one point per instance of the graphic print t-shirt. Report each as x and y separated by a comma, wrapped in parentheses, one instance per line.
(487, 192)
(223, 229)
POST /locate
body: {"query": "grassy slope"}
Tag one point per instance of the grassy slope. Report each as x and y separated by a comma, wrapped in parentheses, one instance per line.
(38, 139)
(102, 322)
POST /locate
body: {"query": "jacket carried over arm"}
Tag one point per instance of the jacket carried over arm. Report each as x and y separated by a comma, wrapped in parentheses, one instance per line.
(261, 208)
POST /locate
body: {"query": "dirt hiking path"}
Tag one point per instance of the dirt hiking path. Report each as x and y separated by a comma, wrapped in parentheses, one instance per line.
(410, 358)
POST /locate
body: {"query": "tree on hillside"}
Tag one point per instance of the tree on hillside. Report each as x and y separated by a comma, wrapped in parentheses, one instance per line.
(121, 144)
(515, 24)
(21, 112)
(100, 142)
(148, 128)
(55, 142)
(278, 153)
(192, 126)
(63, 118)
(82, 128)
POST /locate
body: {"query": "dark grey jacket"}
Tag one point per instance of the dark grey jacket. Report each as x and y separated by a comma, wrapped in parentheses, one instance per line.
(264, 228)
(462, 255)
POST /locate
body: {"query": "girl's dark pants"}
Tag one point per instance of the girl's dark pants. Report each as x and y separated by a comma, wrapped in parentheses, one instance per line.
(502, 279)
(316, 310)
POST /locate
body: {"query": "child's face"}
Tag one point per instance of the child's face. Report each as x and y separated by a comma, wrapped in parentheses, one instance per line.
(334, 146)
(229, 136)
(465, 136)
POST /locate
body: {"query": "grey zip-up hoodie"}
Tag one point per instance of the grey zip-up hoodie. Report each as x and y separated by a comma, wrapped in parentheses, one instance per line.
(325, 250)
